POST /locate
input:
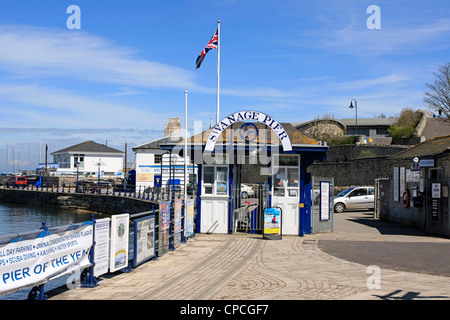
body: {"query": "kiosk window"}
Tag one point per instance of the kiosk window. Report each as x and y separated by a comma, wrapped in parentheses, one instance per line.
(208, 175)
(215, 180)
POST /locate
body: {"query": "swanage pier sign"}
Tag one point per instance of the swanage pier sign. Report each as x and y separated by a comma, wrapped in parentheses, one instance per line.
(248, 116)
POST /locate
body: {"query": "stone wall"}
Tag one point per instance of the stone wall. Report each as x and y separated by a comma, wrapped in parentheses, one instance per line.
(355, 165)
(393, 211)
(349, 152)
(357, 172)
(107, 204)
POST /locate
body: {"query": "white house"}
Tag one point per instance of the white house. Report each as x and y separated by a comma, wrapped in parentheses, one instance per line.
(92, 158)
(154, 167)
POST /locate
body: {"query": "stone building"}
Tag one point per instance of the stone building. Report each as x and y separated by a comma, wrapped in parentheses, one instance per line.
(416, 192)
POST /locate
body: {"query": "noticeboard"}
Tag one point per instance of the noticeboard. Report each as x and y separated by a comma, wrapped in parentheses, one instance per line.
(189, 218)
(164, 224)
(324, 200)
(272, 223)
(177, 223)
(144, 239)
(119, 242)
(101, 252)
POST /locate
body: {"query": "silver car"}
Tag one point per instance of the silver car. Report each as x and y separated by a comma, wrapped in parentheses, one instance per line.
(354, 198)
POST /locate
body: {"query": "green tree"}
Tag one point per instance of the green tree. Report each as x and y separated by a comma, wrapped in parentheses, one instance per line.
(406, 123)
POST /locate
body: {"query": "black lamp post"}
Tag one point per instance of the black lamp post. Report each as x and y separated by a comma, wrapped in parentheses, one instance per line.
(78, 165)
(99, 164)
(356, 109)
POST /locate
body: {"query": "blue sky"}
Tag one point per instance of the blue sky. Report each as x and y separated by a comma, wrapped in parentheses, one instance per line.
(123, 74)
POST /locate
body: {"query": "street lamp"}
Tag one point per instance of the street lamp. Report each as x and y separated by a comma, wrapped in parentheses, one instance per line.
(77, 164)
(356, 109)
(98, 185)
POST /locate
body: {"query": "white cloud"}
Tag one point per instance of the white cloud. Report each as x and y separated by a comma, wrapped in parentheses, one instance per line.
(30, 51)
(362, 41)
(36, 105)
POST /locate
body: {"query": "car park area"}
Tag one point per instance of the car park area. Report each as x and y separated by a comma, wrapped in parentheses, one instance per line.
(354, 198)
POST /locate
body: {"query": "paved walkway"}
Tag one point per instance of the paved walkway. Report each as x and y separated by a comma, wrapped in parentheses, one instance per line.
(236, 267)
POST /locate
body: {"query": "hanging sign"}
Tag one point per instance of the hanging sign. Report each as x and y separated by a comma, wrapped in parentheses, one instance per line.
(248, 116)
(427, 163)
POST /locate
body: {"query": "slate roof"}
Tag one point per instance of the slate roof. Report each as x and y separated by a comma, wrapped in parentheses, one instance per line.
(369, 122)
(429, 148)
(297, 138)
(88, 147)
(156, 143)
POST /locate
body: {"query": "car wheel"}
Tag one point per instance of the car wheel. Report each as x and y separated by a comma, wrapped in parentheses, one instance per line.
(339, 207)
(244, 195)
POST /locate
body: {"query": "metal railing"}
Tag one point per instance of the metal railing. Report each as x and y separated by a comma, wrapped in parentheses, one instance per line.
(150, 194)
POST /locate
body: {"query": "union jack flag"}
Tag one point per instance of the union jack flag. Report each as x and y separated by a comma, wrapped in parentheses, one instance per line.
(212, 44)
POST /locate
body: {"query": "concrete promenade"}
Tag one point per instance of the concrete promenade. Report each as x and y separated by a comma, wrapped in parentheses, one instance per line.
(326, 266)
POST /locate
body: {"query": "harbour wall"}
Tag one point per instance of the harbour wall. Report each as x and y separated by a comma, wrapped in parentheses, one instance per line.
(107, 204)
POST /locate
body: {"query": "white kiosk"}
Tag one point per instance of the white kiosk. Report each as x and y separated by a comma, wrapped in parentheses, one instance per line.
(278, 150)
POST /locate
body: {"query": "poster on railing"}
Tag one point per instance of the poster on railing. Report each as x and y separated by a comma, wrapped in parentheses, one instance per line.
(324, 207)
(119, 242)
(177, 223)
(189, 218)
(144, 239)
(164, 223)
(101, 251)
(26, 262)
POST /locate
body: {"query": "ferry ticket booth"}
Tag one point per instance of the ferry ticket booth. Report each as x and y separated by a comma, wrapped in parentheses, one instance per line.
(278, 152)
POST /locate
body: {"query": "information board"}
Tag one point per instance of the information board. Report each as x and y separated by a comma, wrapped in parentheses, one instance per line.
(189, 218)
(119, 242)
(177, 223)
(435, 202)
(272, 223)
(164, 224)
(324, 200)
(101, 252)
(396, 184)
(144, 239)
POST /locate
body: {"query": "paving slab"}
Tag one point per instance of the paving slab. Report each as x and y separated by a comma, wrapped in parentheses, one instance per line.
(314, 267)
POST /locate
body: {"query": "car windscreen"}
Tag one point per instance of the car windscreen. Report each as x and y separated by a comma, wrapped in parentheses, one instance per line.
(343, 193)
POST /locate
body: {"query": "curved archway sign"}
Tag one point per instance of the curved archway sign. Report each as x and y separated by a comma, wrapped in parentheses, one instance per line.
(248, 116)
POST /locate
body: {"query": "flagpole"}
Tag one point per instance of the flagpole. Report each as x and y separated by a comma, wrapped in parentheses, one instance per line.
(185, 147)
(218, 70)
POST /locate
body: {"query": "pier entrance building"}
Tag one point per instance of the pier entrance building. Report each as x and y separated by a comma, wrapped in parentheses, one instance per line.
(273, 155)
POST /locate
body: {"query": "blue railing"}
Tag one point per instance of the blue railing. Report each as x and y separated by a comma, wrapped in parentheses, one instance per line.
(87, 277)
(150, 194)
